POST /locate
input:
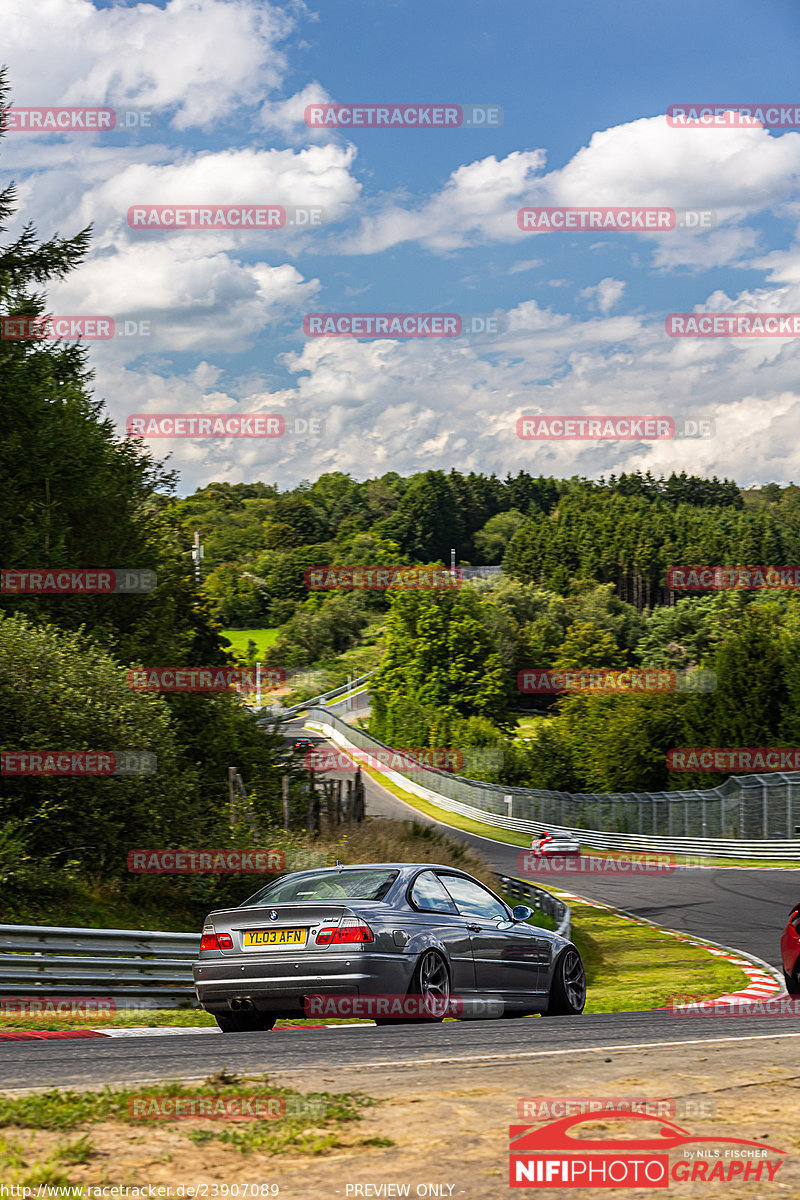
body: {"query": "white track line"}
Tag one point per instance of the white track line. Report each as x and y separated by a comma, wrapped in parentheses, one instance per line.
(572, 1051)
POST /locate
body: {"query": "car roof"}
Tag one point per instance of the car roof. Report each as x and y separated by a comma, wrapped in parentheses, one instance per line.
(385, 866)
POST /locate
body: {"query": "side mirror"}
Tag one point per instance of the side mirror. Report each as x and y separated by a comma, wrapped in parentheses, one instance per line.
(521, 912)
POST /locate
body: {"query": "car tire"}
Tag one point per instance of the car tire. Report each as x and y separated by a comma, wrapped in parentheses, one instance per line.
(792, 985)
(251, 1020)
(431, 978)
(568, 986)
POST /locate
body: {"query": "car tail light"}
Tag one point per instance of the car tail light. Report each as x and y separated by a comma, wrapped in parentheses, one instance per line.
(211, 940)
(794, 919)
(348, 931)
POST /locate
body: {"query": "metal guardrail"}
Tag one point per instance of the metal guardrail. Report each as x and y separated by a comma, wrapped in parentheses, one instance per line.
(135, 968)
(745, 817)
(286, 714)
(546, 902)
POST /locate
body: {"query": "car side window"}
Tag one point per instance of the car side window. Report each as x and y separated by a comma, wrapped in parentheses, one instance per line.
(472, 899)
(428, 895)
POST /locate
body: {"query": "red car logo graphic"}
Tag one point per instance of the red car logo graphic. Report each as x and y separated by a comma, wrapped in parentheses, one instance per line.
(555, 1138)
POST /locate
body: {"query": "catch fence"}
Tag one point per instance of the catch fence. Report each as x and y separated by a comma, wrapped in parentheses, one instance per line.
(746, 816)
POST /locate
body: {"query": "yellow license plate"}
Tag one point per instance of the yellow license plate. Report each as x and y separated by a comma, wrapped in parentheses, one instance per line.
(274, 937)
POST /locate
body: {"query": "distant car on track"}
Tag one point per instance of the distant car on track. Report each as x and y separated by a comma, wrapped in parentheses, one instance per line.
(378, 929)
(790, 952)
(555, 843)
(304, 744)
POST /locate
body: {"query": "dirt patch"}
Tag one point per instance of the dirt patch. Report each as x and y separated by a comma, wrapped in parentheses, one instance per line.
(448, 1126)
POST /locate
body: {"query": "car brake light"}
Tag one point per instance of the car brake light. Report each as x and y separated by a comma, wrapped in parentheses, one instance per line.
(349, 931)
(215, 941)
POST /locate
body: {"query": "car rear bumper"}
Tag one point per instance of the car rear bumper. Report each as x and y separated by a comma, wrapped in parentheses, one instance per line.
(281, 985)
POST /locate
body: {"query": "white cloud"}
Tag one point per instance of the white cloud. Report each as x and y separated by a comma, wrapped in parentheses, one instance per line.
(604, 295)
(288, 116)
(474, 206)
(200, 301)
(735, 173)
(646, 162)
(197, 59)
(316, 175)
(526, 264)
(192, 285)
(435, 404)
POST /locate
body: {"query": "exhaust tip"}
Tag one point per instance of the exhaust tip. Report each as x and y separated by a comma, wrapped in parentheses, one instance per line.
(241, 1005)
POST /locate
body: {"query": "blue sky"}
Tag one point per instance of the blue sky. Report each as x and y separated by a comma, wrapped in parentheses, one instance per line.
(425, 221)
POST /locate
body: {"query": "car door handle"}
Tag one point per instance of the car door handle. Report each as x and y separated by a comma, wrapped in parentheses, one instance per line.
(474, 928)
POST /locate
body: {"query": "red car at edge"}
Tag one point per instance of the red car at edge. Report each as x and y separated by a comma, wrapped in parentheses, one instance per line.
(790, 952)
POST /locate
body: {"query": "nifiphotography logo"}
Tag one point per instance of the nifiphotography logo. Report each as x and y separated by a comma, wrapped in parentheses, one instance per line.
(556, 1156)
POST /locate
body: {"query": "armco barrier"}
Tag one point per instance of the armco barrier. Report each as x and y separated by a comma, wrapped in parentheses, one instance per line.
(537, 897)
(286, 714)
(146, 969)
(745, 817)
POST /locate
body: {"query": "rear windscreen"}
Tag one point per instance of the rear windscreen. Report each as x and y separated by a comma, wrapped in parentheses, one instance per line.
(326, 885)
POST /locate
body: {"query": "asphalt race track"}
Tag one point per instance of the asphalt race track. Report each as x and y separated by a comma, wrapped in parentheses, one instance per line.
(147, 1059)
(740, 908)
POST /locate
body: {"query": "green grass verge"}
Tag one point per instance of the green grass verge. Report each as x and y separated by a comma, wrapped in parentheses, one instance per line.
(529, 727)
(239, 638)
(302, 1124)
(631, 966)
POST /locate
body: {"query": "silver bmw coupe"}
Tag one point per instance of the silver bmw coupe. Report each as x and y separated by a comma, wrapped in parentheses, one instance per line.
(391, 941)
